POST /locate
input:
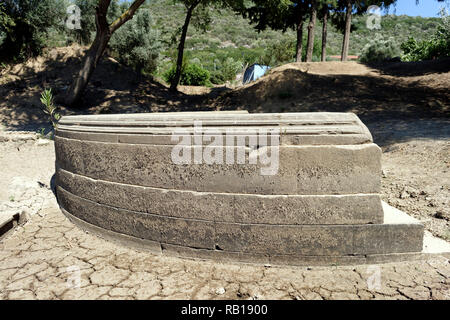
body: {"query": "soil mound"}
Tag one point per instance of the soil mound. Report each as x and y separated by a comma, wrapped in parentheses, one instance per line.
(390, 90)
(114, 88)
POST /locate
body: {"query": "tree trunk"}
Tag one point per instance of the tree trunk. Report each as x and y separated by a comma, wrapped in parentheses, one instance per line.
(92, 56)
(176, 79)
(95, 52)
(324, 35)
(299, 49)
(311, 26)
(348, 25)
(89, 64)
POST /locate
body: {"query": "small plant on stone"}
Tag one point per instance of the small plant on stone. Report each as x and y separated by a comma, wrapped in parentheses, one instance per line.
(41, 133)
(49, 107)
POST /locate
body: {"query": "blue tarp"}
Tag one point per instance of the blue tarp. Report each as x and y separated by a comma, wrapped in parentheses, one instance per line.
(255, 71)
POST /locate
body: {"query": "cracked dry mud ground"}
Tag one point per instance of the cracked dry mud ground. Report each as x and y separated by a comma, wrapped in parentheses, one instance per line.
(37, 262)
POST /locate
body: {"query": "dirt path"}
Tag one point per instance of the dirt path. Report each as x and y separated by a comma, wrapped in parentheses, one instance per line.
(416, 169)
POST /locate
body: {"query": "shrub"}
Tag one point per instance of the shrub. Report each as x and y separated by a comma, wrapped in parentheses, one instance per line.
(436, 47)
(217, 77)
(380, 49)
(225, 70)
(425, 50)
(191, 75)
(24, 26)
(49, 107)
(231, 67)
(279, 52)
(136, 43)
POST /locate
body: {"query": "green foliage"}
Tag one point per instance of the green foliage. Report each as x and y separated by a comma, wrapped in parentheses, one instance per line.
(277, 15)
(5, 23)
(279, 52)
(24, 26)
(380, 49)
(230, 35)
(2, 37)
(437, 46)
(49, 107)
(201, 18)
(136, 43)
(86, 34)
(283, 51)
(226, 70)
(191, 75)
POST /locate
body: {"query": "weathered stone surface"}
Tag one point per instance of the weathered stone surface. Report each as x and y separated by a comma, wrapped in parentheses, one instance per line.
(320, 240)
(116, 173)
(166, 139)
(303, 240)
(156, 128)
(226, 207)
(157, 123)
(190, 233)
(302, 169)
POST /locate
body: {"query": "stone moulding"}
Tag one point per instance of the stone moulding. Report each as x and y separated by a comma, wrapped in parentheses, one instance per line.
(115, 176)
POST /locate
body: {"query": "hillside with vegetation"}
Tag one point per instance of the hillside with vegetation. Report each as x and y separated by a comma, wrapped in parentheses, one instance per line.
(231, 41)
(220, 42)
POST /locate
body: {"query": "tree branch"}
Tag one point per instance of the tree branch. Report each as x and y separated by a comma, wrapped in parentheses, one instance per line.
(127, 15)
(100, 14)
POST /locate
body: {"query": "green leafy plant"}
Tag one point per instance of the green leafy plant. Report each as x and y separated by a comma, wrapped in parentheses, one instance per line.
(380, 49)
(86, 33)
(49, 107)
(136, 44)
(226, 70)
(41, 133)
(438, 46)
(279, 52)
(191, 75)
(25, 24)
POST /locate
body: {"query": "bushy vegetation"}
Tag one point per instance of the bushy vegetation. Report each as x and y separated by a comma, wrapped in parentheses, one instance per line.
(137, 43)
(192, 74)
(230, 35)
(436, 47)
(24, 26)
(213, 54)
(226, 70)
(279, 52)
(380, 49)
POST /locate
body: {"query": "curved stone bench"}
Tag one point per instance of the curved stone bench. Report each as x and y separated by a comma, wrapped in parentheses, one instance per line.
(116, 174)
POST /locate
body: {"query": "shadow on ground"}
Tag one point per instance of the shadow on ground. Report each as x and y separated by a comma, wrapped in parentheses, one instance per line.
(113, 88)
(396, 100)
(413, 69)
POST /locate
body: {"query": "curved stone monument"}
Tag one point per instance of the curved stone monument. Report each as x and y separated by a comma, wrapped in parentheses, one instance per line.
(292, 188)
